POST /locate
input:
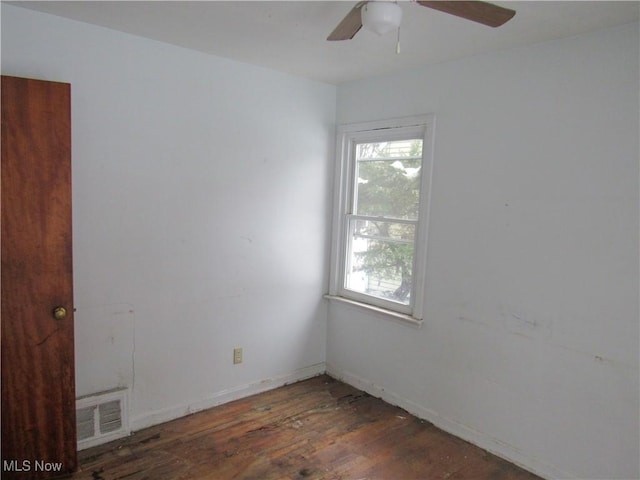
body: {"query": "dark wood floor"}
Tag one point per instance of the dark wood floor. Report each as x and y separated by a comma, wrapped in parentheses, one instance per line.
(316, 429)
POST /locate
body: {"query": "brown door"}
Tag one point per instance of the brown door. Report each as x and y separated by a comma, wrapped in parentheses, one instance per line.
(38, 382)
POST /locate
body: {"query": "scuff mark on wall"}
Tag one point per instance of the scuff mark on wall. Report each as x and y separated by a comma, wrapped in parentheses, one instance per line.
(516, 321)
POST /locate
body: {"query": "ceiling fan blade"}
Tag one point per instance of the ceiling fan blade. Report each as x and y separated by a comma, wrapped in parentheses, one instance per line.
(481, 12)
(349, 25)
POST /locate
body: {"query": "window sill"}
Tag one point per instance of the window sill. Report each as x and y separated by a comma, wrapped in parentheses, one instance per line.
(383, 312)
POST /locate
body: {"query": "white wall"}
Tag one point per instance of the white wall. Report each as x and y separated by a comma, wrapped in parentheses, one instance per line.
(530, 342)
(201, 214)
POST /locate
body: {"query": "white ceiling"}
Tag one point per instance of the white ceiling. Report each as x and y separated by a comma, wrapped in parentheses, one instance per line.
(290, 36)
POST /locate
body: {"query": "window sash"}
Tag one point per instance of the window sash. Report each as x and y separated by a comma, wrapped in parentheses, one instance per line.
(388, 284)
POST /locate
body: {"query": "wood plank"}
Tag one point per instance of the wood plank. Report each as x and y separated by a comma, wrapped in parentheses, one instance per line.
(316, 429)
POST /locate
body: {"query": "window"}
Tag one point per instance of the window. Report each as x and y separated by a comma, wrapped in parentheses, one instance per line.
(381, 211)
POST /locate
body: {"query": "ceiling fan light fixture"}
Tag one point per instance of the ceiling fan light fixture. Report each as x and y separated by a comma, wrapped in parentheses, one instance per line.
(381, 17)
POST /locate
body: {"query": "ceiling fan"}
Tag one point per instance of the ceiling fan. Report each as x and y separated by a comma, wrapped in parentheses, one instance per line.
(389, 15)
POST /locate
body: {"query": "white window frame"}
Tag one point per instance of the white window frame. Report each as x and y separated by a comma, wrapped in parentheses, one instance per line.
(348, 136)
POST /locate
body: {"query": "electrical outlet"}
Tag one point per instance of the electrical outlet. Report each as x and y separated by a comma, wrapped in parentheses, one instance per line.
(237, 355)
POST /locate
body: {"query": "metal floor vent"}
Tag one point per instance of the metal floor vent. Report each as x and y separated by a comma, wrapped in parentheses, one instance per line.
(101, 417)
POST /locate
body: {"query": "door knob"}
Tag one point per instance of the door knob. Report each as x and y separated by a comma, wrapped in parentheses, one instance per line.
(59, 313)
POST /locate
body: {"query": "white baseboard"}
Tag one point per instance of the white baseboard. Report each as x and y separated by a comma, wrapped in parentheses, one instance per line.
(150, 419)
(479, 439)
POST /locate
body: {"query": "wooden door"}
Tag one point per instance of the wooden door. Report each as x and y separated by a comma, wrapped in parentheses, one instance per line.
(38, 380)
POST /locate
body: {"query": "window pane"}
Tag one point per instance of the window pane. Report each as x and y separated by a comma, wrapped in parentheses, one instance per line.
(388, 179)
(380, 259)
